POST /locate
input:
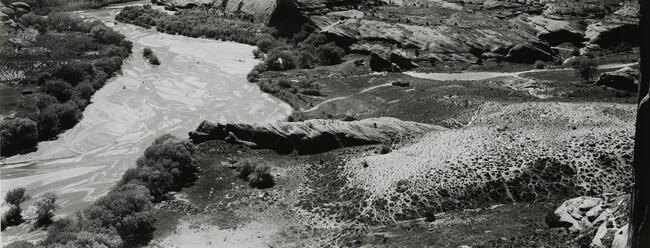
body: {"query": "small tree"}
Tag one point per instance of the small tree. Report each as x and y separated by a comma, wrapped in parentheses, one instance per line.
(261, 177)
(586, 69)
(14, 197)
(45, 208)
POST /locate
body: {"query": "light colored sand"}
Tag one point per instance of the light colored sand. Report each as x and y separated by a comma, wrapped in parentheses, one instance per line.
(198, 80)
(253, 235)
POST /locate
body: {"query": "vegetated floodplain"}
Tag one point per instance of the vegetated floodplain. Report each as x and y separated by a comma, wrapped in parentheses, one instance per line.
(59, 61)
(41, 7)
(125, 216)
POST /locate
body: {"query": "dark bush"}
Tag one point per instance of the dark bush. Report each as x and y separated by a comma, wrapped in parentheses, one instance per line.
(76, 72)
(157, 180)
(85, 90)
(306, 60)
(109, 65)
(21, 244)
(17, 135)
(539, 65)
(244, 169)
(330, 54)
(147, 52)
(153, 59)
(258, 54)
(174, 155)
(280, 60)
(384, 149)
(261, 177)
(68, 113)
(48, 124)
(586, 69)
(284, 83)
(14, 197)
(59, 89)
(114, 51)
(12, 217)
(45, 210)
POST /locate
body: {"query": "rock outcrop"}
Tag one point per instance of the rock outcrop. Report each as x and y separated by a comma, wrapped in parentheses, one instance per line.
(601, 221)
(10, 12)
(623, 79)
(312, 136)
(621, 26)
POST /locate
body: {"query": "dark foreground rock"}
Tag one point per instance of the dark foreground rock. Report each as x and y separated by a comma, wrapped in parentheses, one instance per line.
(312, 136)
(623, 79)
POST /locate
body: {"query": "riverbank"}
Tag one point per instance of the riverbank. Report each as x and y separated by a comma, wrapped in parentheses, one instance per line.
(198, 79)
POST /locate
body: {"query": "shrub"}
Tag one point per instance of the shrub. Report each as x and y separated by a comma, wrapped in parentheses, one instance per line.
(12, 217)
(115, 51)
(68, 113)
(108, 65)
(157, 180)
(17, 135)
(85, 90)
(14, 197)
(258, 54)
(153, 59)
(45, 210)
(104, 34)
(48, 124)
(269, 87)
(306, 60)
(280, 60)
(284, 83)
(261, 177)
(384, 149)
(330, 54)
(147, 52)
(76, 72)
(44, 100)
(59, 89)
(539, 65)
(244, 169)
(586, 69)
(21, 244)
(265, 44)
(127, 209)
(174, 155)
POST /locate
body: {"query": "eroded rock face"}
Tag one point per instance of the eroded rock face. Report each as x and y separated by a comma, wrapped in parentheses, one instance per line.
(600, 219)
(312, 136)
(621, 26)
(623, 79)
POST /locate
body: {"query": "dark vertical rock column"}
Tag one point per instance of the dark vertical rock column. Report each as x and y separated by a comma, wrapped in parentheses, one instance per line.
(639, 229)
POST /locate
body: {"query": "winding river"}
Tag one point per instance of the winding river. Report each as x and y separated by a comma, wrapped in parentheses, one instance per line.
(199, 79)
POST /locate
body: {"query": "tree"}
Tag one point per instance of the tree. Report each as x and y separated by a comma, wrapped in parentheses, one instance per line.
(639, 224)
(59, 89)
(14, 197)
(586, 69)
(17, 196)
(16, 135)
(45, 210)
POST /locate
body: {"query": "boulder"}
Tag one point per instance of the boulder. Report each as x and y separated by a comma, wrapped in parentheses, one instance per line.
(312, 136)
(623, 79)
(11, 13)
(529, 53)
(556, 32)
(603, 219)
(620, 26)
(382, 63)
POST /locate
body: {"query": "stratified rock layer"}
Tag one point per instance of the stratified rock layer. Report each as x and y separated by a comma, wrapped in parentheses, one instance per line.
(312, 136)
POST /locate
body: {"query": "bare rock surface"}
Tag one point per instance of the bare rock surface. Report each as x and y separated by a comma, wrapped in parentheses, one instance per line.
(312, 136)
(601, 220)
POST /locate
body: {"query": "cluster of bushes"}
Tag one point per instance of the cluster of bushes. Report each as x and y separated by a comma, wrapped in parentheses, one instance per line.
(586, 69)
(194, 23)
(124, 217)
(67, 84)
(257, 176)
(303, 50)
(43, 7)
(147, 53)
(45, 208)
(305, 53)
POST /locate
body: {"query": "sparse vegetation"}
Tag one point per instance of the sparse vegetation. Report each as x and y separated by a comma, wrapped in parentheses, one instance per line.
(148, 54)
(258, 176)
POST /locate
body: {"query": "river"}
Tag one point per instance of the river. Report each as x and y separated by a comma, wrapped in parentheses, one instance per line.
(199, 79)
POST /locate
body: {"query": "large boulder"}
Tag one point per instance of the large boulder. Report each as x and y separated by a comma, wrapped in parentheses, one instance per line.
(621, 26)
(623, 79)
(556, 32)
(379, 62)
(601, 219)
(312, 136)
(530, 52)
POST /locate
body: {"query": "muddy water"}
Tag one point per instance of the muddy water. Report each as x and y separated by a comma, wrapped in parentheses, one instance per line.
(198, 80)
